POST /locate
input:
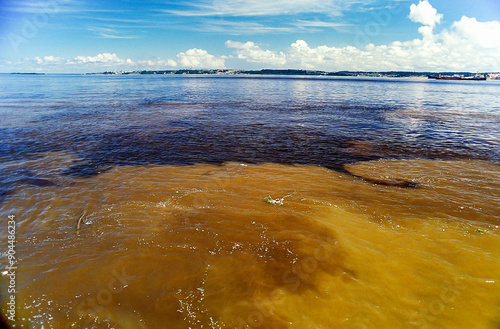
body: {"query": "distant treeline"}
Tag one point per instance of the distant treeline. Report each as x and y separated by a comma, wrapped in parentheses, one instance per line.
(29, 73)
(395, 74)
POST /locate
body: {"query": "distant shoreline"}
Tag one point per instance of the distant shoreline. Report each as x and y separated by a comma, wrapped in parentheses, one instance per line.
(383, 74)
(289, 72)
(29, 73)
(292, 72)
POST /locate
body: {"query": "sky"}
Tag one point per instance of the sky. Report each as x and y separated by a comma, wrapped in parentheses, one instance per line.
(81, 36)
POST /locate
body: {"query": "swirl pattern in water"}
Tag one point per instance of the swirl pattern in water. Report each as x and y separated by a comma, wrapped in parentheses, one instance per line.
(250, 202)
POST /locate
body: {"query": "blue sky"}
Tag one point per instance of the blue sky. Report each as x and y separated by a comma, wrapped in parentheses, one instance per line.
(92, 36)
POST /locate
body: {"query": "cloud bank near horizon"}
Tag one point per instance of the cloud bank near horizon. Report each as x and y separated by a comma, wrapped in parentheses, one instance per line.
(467, 45)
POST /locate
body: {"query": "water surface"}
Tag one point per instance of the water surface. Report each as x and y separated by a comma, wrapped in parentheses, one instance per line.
(252, 202)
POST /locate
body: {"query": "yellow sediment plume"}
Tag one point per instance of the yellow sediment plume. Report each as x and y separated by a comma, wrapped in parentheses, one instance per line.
(196, 246)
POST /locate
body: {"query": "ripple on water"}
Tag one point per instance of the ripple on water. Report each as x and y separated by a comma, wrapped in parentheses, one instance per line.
(198, 246)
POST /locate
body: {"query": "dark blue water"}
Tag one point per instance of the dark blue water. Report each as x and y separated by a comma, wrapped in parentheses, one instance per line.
(108, 121)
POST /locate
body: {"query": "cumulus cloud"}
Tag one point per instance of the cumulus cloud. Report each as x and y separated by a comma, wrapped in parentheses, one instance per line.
(468, 45)
(157, 64)
(425, 14)
(484, 35)
(48, 61)
(52, 59)
(250, 52)
(80, 64)
(105, 58)
(192, 58)
(200, 59)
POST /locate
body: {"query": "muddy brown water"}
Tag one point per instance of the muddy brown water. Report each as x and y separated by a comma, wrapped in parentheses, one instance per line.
(201, 247)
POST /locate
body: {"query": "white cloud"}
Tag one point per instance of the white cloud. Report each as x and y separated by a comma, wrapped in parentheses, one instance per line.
(458, 49)
(108, 61)
(250, 52)
(43, 7)
(200, 59)
(425, 14)
(109, 33)
(317, 23)
(157, 64)
(239, 28)
(478, 34)
(269, 26)
(192, 58)
(52, 59)
(46, 61)
(105, 58)
(266, 7)
(468, 45)
(82, 64)
(242, 28)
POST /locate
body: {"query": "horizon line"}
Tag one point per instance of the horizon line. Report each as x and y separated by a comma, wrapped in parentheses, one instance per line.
(242, 71)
